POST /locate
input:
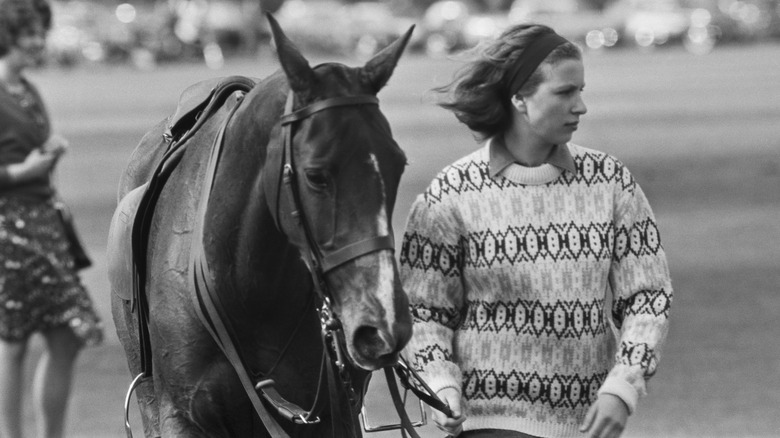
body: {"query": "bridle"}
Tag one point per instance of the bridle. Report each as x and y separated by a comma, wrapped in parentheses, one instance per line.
(210, 310)
(319, 262)
(316, 259)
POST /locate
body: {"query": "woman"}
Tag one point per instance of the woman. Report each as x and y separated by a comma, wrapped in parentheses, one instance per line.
(513, 253)
(40, 290)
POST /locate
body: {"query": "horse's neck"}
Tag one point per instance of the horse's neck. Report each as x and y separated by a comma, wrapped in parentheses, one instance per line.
(245, 244)
(254, 252)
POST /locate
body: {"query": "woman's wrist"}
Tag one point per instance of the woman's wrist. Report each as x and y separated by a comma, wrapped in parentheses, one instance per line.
(14, 173)
(5, 176)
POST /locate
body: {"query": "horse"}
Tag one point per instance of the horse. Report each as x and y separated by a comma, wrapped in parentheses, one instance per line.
(277, 209)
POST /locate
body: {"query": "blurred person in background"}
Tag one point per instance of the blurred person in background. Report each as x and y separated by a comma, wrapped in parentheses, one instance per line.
(513, 254)
(40, 290)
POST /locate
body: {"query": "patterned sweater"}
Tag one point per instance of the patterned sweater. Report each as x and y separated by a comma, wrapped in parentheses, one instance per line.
(515, 276)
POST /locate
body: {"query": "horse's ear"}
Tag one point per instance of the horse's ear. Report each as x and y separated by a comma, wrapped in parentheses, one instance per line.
(378, 69)
(295, 66)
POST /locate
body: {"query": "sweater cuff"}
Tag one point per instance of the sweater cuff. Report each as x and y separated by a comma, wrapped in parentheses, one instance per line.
(622, 389)
(438, 383)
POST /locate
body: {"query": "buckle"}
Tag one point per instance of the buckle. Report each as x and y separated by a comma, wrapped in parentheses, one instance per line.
(286, 409)
(300, 419)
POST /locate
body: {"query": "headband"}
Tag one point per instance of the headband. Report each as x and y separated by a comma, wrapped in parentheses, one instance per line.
(531, 57)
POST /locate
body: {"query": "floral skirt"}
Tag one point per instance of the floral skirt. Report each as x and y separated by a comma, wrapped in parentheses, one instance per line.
(39, 287)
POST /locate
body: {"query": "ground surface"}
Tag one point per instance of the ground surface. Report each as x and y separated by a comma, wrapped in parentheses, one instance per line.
(701, 135)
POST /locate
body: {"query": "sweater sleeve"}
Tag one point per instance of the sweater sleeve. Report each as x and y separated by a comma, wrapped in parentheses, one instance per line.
(5, 177)
(431, 274)
(642, 290)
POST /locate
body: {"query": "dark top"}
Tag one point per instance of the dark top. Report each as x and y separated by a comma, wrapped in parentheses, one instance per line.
(24, 126)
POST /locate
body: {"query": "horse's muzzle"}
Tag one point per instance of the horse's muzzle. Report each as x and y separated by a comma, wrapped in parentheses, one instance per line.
(373, 309)
(376, 348)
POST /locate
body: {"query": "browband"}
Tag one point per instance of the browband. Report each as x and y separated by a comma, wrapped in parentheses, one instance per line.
(531, 57)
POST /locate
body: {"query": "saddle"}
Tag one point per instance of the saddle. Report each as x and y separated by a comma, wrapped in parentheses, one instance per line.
(129, 230)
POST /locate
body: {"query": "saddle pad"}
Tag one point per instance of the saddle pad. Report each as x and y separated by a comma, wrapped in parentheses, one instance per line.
(120, 248)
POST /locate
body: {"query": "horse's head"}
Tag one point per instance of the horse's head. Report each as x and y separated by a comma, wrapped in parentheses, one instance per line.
(338, 201)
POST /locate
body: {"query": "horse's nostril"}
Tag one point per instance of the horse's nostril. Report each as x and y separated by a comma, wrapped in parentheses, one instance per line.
(373, 343)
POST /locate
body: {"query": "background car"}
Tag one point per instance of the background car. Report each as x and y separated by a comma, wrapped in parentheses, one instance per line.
(84, 31)
(452, 25)
(699, 25)
(331, 26)
(594, 25)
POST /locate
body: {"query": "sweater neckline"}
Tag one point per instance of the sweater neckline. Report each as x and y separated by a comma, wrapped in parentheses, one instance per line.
(537, 175)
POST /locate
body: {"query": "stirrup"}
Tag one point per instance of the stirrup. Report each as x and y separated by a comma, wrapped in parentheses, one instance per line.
(133, 385)
(369, 428)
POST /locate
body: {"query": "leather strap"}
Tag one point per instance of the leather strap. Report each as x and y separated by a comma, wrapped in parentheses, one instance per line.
(290, 411)
(355, 250)
(286, 180)
(332, 102)
(400, 407)
(207, 303)
(143, 219)
(406, 374)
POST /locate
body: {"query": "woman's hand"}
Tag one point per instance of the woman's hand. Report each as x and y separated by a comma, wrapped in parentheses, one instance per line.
(37, 165)
(452, 426)
(606, 418)
(56, 145)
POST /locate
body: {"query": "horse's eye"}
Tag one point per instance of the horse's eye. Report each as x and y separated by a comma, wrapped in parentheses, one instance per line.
(317, 179)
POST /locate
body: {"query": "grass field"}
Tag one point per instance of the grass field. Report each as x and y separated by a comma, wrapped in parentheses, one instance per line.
(701, 135)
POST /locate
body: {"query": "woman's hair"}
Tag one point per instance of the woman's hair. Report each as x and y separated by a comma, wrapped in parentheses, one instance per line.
(479, 94)
(18, 17)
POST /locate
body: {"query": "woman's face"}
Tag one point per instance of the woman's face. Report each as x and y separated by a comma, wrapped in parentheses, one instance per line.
(553, 111)
(29, 48)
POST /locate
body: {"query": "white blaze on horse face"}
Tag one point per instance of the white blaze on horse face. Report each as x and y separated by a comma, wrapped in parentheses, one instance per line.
(383, 227)
(385, 275)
